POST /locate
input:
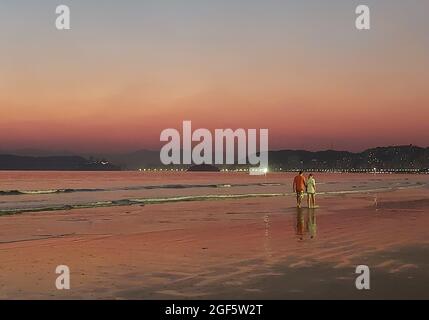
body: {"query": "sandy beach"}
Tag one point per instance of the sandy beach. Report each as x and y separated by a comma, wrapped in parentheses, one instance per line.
(240, 248)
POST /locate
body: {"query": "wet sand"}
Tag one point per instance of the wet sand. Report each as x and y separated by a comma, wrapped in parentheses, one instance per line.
(256, 248)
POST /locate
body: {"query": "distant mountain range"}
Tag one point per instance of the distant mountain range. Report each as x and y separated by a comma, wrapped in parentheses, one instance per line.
(394, 157)
(60, 163)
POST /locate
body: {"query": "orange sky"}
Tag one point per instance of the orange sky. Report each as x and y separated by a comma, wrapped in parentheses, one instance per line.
(300, 69)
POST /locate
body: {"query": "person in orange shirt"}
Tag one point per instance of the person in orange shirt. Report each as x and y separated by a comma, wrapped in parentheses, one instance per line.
(299, 188)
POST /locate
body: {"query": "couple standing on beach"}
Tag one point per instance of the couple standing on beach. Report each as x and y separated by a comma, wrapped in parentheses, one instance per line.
(302, 186)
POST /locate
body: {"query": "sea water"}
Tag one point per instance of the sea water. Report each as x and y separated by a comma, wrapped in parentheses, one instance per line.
(33, 191)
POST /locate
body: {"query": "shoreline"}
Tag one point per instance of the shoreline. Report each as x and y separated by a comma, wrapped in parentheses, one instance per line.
(206, 197)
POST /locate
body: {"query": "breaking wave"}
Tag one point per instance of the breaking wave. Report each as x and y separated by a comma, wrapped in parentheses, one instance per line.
(148, 201)
(38, 192)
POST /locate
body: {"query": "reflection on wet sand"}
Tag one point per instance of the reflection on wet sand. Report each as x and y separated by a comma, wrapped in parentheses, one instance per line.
(249, 248)
(306, 223)
(267, 242)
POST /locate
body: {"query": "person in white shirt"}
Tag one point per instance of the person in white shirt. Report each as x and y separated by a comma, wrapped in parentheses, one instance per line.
(311, 191)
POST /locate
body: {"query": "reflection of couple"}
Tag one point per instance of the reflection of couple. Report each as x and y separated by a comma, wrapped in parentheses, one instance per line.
(302, 186)
(306, 224)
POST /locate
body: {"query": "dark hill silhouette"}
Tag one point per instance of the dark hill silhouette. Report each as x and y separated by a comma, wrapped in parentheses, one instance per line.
(60, 163)
(393, 157)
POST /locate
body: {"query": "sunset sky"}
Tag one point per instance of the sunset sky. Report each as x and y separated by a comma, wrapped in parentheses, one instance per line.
(129, 69)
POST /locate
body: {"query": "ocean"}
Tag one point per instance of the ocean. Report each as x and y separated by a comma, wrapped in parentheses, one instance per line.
(34, 191)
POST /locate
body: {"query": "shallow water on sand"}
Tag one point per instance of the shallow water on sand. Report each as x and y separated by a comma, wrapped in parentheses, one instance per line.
(50, 191)
(254, 243)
